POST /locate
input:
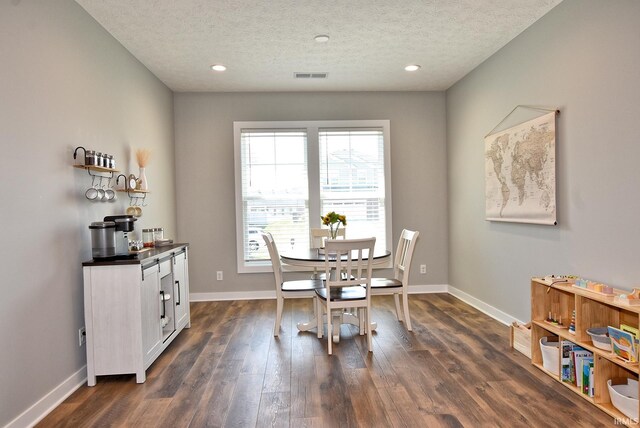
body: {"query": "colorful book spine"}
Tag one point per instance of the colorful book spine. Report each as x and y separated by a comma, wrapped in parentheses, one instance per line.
(565, 373)
(587, 376)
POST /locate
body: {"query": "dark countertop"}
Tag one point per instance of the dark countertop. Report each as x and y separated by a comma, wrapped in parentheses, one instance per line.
(140, 258)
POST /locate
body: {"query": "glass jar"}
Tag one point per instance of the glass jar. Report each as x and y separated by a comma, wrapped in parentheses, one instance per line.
(158, 234)
(147, 237)
(90, 158)
(111, 162)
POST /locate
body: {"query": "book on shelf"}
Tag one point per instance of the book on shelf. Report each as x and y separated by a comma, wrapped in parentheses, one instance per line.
(578, 356)
(567, 373)
(587, 376)
(623, 344)
(629, 329)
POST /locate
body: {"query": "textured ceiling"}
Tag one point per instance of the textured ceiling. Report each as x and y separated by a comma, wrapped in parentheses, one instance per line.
(263, 43)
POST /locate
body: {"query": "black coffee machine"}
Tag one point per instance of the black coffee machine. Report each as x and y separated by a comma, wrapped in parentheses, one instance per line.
(124, 225)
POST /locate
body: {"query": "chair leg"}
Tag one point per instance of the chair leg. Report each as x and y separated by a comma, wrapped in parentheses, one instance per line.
(396, 299)
(276, 327)
(361, 321)
(329, 331)
(405, 304)
(369, 329)
(318, 311)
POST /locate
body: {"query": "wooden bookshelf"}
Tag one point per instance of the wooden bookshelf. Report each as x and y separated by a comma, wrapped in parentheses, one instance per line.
(592, 310)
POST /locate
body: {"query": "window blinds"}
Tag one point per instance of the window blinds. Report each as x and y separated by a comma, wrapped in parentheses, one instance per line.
(352, 179)
(275, 191)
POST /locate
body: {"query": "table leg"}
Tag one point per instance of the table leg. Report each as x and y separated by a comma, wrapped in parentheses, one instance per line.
(307, 325)
(337, 321)
(349, 318)
(346, 318)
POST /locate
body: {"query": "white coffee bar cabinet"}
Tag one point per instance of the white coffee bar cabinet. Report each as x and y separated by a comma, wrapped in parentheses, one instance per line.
(133, 309)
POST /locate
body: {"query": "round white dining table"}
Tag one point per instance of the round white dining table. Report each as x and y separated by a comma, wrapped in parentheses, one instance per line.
(314, 258)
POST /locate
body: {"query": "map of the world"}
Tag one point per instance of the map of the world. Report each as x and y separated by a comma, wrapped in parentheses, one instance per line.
(520, 165)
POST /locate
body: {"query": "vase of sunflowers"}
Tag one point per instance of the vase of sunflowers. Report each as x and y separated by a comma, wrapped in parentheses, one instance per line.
(334, 221)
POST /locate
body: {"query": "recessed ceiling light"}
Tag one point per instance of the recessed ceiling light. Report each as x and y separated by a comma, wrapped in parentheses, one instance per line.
(218, 67)
(412, 67)
(322, 38)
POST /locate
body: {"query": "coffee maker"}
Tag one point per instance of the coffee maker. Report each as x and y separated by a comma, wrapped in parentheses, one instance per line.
(124, 224)
(103, 244)
(110, 238)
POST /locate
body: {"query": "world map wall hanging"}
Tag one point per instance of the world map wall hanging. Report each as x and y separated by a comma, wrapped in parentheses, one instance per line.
(520, 171)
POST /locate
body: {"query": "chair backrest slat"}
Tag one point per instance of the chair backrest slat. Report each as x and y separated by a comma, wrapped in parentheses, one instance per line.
(353, 257)
(404, 254)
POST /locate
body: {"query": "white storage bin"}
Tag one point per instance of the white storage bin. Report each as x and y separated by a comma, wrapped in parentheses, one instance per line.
(550, 347)
(624, 397)
(600, 337)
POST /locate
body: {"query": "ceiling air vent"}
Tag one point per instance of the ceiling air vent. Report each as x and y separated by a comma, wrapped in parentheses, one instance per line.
(321, 75)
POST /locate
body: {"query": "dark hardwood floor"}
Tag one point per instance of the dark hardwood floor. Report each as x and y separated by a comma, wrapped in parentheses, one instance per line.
(455, 369)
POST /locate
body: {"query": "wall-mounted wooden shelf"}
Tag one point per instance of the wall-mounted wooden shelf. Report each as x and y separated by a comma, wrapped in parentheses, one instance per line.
(95, 168)
(134, 191)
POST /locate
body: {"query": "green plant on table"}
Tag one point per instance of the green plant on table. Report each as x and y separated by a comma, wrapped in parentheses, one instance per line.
(334, 220)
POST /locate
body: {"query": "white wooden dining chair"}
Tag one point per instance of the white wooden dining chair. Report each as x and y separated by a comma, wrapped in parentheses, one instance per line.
(287, 289)
(353, 256)
(399, 284)
(318, 234)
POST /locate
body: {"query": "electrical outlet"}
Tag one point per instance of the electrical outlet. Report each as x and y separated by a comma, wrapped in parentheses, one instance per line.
(219, 275)
(82, 336)
(423, 268)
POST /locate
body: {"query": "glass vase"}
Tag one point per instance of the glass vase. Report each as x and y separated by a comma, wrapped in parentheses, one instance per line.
(333, 230)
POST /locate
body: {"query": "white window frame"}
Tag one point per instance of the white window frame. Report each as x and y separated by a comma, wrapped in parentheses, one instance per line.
(313, 172)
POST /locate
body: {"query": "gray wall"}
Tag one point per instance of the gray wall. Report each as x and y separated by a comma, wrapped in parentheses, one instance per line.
(205, 175)
(583, 58)
(64, 82)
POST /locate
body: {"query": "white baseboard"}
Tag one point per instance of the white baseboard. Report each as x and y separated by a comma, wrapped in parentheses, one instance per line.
(426, 289)
(232, 295)
(494, 313)
(46, 404)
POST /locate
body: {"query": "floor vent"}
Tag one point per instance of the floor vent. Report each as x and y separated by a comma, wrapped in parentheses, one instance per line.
(310, 75)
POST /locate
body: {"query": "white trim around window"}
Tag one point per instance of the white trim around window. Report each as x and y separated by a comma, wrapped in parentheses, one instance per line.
(265, 152)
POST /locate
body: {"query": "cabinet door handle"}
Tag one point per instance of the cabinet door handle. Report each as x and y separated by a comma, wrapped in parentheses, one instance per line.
(164, 309)
(178, 298)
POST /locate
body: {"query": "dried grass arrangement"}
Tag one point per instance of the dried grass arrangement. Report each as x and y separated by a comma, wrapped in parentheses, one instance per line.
(143, 156)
